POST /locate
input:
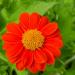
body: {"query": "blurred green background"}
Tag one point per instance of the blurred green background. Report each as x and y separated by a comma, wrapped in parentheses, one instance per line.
(61, 11)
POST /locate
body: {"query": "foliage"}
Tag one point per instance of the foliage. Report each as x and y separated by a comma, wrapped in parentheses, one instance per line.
(62, 11)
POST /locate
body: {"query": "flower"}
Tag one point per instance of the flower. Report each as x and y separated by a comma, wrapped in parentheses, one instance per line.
(32, 43)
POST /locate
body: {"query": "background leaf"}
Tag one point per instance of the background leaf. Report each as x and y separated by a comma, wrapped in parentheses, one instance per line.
(61, 11)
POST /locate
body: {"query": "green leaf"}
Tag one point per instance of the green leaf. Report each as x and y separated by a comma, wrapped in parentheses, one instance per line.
(4, 14)
(50, 70)
(2, 57)
(3, 67)
(22, 72)
(38, 6)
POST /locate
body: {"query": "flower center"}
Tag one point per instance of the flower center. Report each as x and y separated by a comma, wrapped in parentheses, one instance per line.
(32, 39)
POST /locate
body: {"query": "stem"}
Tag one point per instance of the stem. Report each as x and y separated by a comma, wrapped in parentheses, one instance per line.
(69, 60)
(10, 71)
(3, 58)
(61, 61)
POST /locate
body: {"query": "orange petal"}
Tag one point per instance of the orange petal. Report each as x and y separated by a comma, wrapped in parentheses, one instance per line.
(14, 60)
(49, 29)
(53, 49)
(50, 56)
(42, 66)
(34, 19)
(34, 67)
(24, 19)
(57, 42)
(9, 45)
(11, 37)
(14, 28)
(15, 50)
(23, 27)
(39, 56)
(43, 21)
(21, 64)
(29, 56)
(55, 34)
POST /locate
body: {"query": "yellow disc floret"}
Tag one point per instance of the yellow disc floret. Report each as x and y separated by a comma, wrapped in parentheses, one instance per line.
(32, 39)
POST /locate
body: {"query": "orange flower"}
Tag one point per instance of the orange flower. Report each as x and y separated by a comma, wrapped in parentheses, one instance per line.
(33, 42)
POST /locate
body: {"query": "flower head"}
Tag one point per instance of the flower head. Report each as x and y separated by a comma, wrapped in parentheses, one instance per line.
(33, 42)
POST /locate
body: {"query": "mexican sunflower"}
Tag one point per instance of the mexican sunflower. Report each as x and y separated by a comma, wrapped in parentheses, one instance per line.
(32, 43)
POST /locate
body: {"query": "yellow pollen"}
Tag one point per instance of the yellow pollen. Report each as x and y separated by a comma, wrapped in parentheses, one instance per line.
(32, 39)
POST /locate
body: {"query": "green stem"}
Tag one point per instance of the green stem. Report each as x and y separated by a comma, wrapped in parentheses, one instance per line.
(61, 61)
(70, 60)
(2, 58)
(11, 70)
